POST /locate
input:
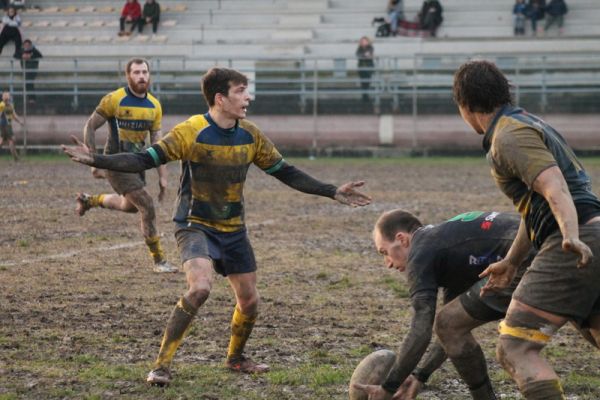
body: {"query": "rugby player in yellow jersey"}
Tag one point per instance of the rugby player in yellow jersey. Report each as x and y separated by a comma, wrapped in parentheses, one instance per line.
(132, 113)
(216, 150)
(7, 114)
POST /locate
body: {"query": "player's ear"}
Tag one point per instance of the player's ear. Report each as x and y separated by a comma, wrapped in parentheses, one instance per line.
(401, 237)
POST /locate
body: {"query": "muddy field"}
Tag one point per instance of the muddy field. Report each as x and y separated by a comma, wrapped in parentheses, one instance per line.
(82, 314)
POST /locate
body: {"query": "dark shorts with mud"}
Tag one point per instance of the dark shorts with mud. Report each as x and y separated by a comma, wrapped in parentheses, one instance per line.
(125, 182)
(553, 283)
(490, 307)
(6, 132)
(230, 252)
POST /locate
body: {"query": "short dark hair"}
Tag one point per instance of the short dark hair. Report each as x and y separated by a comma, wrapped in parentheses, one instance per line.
(219, 80)
(27, 41)
(479, 86)
(394, 221)
(136, 61)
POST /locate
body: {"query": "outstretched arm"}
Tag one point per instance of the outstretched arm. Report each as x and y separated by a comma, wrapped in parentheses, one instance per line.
(299, 180)
(124, 162)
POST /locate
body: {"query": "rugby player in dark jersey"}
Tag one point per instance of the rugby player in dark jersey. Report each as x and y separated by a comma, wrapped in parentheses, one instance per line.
(450, 256)
(216, 149)
(560, 216)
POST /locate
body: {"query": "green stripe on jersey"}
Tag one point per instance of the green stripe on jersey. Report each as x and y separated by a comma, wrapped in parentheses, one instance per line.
(275, 167)
(154, 155)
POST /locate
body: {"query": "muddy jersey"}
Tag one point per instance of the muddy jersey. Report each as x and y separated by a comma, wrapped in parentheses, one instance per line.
(6, 113)
(214, 164)
(130, 120)
(452, 254)
(519, 147)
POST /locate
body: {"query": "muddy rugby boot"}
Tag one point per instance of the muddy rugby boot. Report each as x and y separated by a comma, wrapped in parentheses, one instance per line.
(246, 365)
(159, 377)
(164, 266)
(83, 203)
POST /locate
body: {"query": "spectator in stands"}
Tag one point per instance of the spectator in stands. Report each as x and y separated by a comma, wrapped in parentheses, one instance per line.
(430, 16)
(150, 15)
(556, 10)
(131, 13)
(520, 11)
(29, 56)
(10, 29)
(535, 11)
(395, 11)
(364, 53)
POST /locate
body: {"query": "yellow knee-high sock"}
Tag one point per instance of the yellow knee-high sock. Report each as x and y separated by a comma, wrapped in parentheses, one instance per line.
(96, 200)
(155, 248)
(241, 328)
(177, 327)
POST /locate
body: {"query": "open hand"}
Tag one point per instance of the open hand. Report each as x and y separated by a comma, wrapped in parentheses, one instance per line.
(162, 185)
(500, 275)
(79, 152)
(346, 194)
(578, 247)
(409, 389)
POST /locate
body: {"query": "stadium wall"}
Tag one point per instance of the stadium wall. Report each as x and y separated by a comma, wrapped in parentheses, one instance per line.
(435, 133)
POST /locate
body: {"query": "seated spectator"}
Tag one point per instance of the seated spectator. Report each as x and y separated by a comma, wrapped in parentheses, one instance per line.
(29, 56)
(132, 12)
(430, 16)
(150, 15)
(10, 29)
(556, 10)
(520, 11)
(535, 12)
(395, 11)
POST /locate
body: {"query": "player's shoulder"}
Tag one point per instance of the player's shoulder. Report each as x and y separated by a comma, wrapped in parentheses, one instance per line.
(509, 128)
(195, 123)
(250, 127)
(153, 100)
(115, 96)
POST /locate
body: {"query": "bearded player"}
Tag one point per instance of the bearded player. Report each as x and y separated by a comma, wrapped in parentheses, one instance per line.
(132, 114)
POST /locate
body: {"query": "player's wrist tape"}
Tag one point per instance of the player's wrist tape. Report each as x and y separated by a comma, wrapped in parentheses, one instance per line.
(421, 376)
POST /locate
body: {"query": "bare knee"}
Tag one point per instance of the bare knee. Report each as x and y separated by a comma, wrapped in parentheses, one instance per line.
(249, 304)
(127, 206)
(443, 326)
(451, 334)
(141, 201)
(198, 293)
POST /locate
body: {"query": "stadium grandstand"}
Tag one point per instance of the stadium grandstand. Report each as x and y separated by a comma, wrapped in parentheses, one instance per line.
(300, 57)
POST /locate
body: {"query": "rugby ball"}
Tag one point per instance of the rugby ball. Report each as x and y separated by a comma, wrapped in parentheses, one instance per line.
(372, 370)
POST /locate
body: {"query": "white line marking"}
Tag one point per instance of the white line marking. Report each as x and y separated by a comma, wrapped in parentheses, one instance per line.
(119, 246)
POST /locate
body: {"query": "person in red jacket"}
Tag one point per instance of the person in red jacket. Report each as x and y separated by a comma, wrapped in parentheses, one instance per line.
(132, 12)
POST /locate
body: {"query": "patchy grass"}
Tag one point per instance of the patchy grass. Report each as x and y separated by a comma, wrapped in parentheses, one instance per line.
(83, 314)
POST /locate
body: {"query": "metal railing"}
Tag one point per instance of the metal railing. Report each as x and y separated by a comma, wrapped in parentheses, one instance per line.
(410, 84)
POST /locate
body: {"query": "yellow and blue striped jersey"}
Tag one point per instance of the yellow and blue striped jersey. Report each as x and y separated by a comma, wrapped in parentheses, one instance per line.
(214, 164)
(130, 119)
(6, 113)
